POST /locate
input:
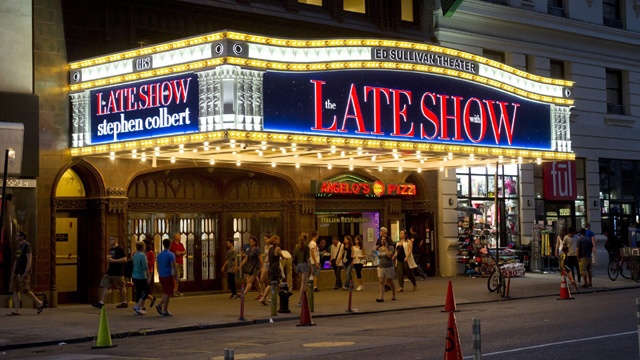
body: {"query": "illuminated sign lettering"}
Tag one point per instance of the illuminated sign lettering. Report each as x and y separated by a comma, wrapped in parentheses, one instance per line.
(377, 188)
(560, 180)
(403, 106)
(161, 107)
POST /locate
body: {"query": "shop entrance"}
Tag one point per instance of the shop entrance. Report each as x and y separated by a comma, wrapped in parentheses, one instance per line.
(621, 216)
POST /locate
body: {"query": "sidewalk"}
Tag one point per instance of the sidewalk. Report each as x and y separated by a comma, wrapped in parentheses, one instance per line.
(80, 323)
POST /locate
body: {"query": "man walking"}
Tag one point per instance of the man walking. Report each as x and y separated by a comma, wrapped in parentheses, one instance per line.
(314, 260)
(417, 241)
(585, 247)
(337, 254)
(231, 267)
(178, 250)
(115, 274)
(167, 273)
(21, 275)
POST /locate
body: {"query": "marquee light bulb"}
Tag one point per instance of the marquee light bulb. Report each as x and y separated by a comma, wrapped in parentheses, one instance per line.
(351, 167)
(538, 161)
(329, 166)
(273, 164)
(419, 170)
(173, 159)
(238, 163)
(112, 155)
(181, 147)
(380, 168)
(297, 165)
(212, 161)
(206, 146)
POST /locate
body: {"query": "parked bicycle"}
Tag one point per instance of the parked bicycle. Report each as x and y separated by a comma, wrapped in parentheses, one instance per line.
(496, 281)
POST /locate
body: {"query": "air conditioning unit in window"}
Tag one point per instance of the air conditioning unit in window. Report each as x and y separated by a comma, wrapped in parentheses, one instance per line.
(615, 109)
(556, 11)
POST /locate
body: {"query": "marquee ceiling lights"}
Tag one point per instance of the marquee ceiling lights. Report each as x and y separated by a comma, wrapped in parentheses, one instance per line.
(314, 151)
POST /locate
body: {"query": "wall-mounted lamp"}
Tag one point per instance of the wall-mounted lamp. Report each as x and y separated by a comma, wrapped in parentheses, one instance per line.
(528, 202)
(450, 201)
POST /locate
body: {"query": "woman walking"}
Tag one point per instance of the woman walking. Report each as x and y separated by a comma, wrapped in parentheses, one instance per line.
(404, 259)
(348, 260)
(274, 273)
(251, 264)
(358, 260)
(301, 254)
(151, 261)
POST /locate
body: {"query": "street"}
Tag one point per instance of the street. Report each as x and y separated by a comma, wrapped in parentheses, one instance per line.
(593, 326)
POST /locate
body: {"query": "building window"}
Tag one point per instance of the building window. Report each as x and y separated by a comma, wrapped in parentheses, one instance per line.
(311, 2)
(555, 8)
(611, 13)
(615, 104)
(493, 55)
(355, 6)
(407, 10)
(557, 70)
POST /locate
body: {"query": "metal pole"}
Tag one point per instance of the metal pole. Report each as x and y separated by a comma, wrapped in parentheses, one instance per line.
(4, 200)
(242, 318)
(274, 301)
(477, 340)
(495, 216)
(228, 354)
(310, 295)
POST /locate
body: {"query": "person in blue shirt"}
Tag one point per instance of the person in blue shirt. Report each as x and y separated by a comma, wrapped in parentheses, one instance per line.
(166, 263)
(140, 277)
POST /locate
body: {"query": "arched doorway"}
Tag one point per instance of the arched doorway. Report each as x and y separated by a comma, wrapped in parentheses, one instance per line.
(205, 206)
(77, 232)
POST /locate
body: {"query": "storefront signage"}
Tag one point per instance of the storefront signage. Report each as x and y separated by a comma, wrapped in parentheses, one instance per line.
(560, 180)
(164, 106)
(424, 57)
(377, 188)
(403, 106)
(342, 219)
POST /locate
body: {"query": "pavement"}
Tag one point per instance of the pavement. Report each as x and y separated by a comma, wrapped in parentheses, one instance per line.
(81, 323)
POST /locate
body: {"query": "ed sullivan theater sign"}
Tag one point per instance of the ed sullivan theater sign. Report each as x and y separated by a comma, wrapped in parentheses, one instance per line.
(367, 89)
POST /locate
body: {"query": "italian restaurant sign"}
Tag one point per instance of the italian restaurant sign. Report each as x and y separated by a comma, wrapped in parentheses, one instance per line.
(403, 106)
(163, 106)
(377, 188)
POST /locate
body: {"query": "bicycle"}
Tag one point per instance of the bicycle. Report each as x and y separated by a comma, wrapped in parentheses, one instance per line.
(621, 264)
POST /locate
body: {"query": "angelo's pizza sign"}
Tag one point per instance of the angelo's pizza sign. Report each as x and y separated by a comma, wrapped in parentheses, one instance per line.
(377, 188)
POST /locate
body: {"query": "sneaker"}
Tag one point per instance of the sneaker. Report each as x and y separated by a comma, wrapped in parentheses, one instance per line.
(234, 296)
(159, 309)
(139, 311)
(177, 293)
(153, 301)
(123, 306)
(315, 289)
(345, 288)
(166, 313)
(360, 288)
(98, 305)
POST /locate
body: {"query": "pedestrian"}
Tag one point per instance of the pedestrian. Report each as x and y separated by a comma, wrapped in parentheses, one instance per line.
(585, 248)
(230, 266)
(264, 269)
(251, 265)
(274, 273)
(402, 255)
(151, 265)
(177, 248)
(21, 275)
(115, 274)
(564, 269)
(347, 261)
(417, 242)
(140, 277)
(592, 236)
(386, 274)
(314, 259)
(168, 275)
(358, 260)
(301, 255)
(571, 242)
(337, 254)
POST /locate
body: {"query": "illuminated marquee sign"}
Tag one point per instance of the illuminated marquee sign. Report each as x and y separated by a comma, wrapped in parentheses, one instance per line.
(377, 188)
(403, 106)
(164, 106)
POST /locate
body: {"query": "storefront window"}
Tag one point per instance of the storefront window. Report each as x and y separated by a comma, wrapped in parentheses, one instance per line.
(340, 224)
(477, 210)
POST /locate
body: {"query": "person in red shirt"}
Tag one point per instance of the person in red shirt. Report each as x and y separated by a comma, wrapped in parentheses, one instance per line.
(178, 250)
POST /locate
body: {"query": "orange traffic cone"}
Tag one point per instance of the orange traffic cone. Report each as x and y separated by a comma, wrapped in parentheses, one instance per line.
(450, 302)
(305, 314)
(564, 290)
(452, 348)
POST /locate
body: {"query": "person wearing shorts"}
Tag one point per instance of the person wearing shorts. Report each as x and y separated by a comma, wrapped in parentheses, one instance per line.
(166, 263)
(314, 259)
(115, 274)
(21, 275)
(386, 273)
(178, 250)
